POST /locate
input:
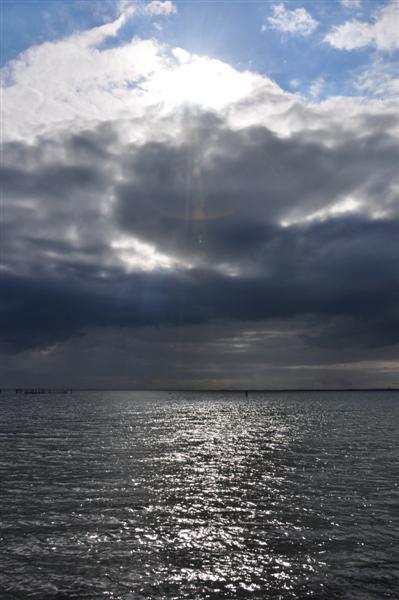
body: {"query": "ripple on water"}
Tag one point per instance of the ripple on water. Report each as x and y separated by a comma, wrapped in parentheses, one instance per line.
(199, 496)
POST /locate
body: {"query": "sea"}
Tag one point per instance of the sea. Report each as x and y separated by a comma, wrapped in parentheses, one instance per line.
(194, 496)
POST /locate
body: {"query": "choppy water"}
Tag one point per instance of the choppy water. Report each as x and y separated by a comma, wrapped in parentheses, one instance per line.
(199, 496)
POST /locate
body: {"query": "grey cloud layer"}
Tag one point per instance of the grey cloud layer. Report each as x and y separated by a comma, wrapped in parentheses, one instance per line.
(239, 182)
(211, 184)
(344, 270)
(214, 198)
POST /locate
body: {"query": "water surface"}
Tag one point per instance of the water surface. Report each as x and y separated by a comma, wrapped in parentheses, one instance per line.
(192, 496)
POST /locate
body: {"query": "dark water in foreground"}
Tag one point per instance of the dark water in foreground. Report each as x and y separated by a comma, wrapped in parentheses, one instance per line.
(196, 496)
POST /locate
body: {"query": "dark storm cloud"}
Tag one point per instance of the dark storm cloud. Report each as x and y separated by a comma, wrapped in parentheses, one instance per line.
(235, 355)
(229, 185)
(209, 194)
(212, 197)
(343, 270)
(53, 181)
(53, 193)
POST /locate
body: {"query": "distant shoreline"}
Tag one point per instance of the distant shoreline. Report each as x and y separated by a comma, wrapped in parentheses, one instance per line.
(44, 390)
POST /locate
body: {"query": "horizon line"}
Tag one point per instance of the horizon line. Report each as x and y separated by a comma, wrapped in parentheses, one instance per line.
(211, 390)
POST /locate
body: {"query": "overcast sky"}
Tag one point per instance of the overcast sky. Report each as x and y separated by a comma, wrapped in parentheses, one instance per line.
(200, 194)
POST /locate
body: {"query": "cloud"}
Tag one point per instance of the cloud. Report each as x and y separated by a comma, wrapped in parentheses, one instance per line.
(379, 78)
(351, 4)
(238, 355)
(70, 81)
(187, 229)
(296, 22)
(76, 80)
(316, 87)
(320, 270)
(235, 217)
(382, 32)
(226, 166)
(157, 8)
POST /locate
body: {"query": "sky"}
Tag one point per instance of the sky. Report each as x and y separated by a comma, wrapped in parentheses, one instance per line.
(199, 194)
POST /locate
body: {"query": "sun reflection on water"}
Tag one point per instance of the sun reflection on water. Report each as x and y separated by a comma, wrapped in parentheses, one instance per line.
(192, 497)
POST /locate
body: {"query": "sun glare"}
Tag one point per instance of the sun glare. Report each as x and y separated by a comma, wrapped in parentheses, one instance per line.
(206, 82)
